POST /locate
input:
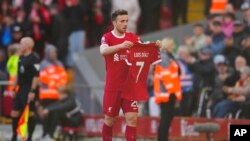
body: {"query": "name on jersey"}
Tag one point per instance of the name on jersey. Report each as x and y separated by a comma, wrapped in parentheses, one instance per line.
(141, 54)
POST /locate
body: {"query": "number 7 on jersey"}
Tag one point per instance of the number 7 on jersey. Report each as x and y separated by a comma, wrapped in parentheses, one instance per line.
(141, 65)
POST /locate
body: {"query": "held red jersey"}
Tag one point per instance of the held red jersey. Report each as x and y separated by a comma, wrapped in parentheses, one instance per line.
(141, 56)
(116, 68)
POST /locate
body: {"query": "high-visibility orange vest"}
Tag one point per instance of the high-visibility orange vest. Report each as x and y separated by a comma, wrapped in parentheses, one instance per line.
(53, 77)
(218, 6)
(11, 87)
(171, 81)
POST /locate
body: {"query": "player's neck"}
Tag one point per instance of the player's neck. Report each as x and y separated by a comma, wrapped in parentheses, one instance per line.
(28, 52)
(117, 33)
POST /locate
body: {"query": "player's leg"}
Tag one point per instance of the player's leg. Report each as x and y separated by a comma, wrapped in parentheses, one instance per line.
(15, 114)
(31, 121)
(130, 108)
(15, 117)
(107, 128)
(111, 107)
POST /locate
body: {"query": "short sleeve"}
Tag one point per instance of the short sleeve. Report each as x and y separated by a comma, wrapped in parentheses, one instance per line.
(35, 66)
(104, 40)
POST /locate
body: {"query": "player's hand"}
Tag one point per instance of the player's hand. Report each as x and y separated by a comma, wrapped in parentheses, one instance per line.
(126, 44)
(31, 96)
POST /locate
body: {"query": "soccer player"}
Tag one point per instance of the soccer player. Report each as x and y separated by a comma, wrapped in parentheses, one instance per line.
(114, 47)
(27, 80)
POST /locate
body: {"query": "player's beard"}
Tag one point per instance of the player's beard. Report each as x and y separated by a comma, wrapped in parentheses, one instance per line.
(122, 30)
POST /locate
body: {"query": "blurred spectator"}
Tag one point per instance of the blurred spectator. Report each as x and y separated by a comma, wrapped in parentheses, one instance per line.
(245, 7)
(59, 32)
(186, 78)
(75, 14)
(38, 32)
(218, 37)
(228, 24)
(179, 9)
(23, 21)
(5, 8)
(165, 15)
(230, 51)
(65, 112)
(229, 8)
(134, 11)
(6, 32)
(245, 51)
(239, 33)
(197, 40)
(99, 21)
(150, 15)
(236, 95)
(52, 76)
(203, 70)
(237, 3)
(17, 33)
(223, 71)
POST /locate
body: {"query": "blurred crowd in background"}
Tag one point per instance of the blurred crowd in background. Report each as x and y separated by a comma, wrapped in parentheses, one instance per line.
(216, 54)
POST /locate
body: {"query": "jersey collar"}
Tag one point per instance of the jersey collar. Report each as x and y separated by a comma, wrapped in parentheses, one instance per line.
(117, 35)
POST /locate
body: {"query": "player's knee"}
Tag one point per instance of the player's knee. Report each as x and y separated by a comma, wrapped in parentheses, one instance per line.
(15, 114)
(109, 120)
(131, 119)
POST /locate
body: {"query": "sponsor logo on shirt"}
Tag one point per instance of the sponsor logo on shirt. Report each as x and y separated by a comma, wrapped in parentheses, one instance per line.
(118, 57)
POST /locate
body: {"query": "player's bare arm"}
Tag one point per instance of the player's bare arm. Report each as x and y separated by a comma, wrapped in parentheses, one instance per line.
(107, 50)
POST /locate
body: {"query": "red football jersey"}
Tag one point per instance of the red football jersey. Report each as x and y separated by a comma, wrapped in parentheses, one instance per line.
(141, 56)
(116, 68)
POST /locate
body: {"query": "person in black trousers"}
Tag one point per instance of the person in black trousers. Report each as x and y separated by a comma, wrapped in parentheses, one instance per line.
(27, 81)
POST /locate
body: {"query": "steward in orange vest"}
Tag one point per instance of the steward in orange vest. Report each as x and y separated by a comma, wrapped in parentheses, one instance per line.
(169, 79)
(167, 87)
(52, 75)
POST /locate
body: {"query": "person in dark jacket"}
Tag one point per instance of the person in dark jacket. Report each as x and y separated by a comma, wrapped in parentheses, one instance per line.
(204, 73)
(230, 51)
(245, 50)
(65, 112)
(239, 34)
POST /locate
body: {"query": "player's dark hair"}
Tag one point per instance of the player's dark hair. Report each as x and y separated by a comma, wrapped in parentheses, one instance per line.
(117, 13)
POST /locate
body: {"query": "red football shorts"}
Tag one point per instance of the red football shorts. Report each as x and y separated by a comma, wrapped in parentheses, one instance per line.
(112, 102)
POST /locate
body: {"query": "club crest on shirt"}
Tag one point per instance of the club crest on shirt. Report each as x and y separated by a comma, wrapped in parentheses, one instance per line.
(116, 57)
(22, 69)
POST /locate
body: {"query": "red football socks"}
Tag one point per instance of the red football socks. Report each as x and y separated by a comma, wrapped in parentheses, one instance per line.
(130, 133)
(107, 132)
